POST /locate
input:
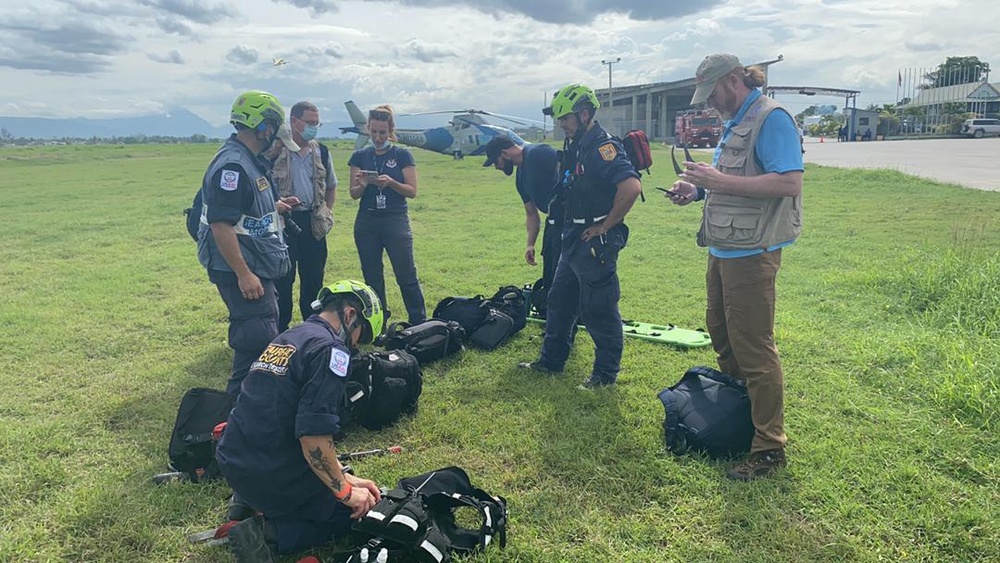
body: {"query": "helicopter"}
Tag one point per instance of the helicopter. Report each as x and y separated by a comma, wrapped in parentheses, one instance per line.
(465, 135)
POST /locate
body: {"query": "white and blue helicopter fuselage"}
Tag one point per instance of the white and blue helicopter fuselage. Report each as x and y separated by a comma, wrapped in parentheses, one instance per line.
(465, 135)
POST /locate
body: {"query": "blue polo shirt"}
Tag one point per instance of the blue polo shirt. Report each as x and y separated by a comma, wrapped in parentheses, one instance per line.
(778, 150)
(537, 176)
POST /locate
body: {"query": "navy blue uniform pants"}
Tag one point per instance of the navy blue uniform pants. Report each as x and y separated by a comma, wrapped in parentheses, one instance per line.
(252, 326)
(308, 255)
(551, 248)
(375, 233)
(309, 520)
(586, 284)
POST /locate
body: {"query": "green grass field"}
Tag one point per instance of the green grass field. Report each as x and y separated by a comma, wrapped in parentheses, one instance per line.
(888, 322)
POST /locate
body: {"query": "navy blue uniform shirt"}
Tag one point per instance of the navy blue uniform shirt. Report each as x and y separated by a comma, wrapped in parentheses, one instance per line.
(537, 175)
(597, 160)
(391, 164)
(603, 158)
(295, 389)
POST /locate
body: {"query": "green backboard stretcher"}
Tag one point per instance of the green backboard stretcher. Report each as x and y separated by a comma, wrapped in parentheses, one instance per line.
(663, 333)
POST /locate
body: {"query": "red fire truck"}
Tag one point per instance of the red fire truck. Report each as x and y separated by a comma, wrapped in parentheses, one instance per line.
(697, 128)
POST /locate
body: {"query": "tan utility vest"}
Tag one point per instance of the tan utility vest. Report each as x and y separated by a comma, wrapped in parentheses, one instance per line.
(322, 217)
(734, 222)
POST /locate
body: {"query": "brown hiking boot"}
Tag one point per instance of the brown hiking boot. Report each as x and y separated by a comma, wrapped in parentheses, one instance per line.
(759, 465)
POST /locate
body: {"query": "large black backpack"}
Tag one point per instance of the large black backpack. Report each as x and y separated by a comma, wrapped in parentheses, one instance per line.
(424, 519)
(470, 312)
(428, 341)
(510, 299)
(381, 387)
(707, 411)
(193, 216)
(192, 446)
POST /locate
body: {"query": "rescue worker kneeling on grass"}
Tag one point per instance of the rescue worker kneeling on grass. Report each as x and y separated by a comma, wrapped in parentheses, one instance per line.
(277, 451)
(599, 187)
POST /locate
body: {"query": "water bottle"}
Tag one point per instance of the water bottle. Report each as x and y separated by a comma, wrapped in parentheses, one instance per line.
(526, 290)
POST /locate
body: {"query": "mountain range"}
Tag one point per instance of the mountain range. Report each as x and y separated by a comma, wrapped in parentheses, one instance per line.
(175, 122)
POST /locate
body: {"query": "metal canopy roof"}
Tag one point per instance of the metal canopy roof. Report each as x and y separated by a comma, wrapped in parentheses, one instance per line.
(812, 91)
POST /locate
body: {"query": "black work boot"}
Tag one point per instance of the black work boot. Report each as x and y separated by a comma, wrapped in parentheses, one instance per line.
(595, 382)
(539, 367)
(239, 510)
(759, 465)
(247, 542)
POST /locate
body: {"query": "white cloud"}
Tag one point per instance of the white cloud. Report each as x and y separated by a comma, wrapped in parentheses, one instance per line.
(504, 56)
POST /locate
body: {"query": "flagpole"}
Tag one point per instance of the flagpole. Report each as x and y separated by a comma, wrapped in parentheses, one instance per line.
(899, 80)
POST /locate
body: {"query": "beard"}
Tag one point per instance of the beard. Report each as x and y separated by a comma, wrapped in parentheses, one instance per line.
(508, 168)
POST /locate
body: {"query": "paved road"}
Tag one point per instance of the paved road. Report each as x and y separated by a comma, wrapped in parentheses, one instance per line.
(972, 163)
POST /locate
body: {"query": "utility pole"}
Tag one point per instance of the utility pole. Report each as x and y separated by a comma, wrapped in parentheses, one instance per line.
(611, 94)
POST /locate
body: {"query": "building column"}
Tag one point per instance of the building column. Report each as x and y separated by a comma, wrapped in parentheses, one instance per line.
(664, 118)
(649, 112)
(635, 109)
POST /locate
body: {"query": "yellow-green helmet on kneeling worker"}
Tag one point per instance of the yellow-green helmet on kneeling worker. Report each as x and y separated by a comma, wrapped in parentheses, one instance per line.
(371, 316)
(571, 99)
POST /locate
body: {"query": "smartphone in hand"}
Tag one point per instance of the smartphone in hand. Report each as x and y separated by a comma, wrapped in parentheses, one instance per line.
(371, 174)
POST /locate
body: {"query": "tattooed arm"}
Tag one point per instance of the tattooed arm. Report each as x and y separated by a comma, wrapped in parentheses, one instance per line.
(360, 495)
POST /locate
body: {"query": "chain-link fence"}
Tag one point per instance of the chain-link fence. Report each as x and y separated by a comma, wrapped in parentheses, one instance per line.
(937, 100)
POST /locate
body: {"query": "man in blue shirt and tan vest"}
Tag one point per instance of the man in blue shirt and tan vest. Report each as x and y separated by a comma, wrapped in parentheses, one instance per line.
(753, 209)
(308, 175)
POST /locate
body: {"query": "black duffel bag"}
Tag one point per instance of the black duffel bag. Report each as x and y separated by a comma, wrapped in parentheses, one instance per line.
(510, 300)
(470, 312)
(707, 411)
(428, 341)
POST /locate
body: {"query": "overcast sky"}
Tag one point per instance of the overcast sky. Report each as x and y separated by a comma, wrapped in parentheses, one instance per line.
(105, 58)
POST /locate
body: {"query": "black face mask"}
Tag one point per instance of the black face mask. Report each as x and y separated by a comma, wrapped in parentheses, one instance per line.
(508, 168)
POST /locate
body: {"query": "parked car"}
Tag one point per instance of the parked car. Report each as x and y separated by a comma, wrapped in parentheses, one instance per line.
(979, 128)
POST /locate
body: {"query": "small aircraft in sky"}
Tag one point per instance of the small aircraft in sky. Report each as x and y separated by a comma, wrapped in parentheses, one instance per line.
(278, 61)
(465, 135)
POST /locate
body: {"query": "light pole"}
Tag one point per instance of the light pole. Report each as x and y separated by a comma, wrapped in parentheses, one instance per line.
(611, 97)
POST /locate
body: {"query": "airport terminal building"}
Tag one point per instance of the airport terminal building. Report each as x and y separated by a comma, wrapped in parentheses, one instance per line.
(650, 107)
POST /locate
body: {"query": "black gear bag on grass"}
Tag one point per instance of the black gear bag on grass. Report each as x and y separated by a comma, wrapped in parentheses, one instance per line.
(381, 387)
(510, 300)
(470, 312)
(707, 411)
(497, 328)
(428, 341)
(192, 446)
(428, 519)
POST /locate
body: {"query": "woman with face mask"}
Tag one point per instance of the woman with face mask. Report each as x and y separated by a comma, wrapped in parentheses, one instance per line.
(383, 177)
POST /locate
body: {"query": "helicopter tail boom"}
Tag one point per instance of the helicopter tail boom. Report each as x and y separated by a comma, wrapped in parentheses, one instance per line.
(359, 124)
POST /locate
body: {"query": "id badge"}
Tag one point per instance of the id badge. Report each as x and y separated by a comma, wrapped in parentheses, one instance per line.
(380, 201)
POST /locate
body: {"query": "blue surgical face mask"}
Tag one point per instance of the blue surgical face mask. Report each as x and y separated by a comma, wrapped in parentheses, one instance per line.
(383, 146)
(309, 132)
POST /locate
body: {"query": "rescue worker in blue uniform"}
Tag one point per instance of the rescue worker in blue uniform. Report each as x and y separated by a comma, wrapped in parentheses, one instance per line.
(600, 186)
(277, 450)
(240, 239)
(536, 179)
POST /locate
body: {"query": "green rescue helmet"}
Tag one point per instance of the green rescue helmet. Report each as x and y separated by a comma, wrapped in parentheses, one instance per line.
(571, 99)
(253, 108)
(372, 315)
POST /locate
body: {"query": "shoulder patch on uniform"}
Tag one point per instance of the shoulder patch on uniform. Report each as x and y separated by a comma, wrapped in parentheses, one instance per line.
(275, 359)
(608, 151)
(229, 180)
(339, 362)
